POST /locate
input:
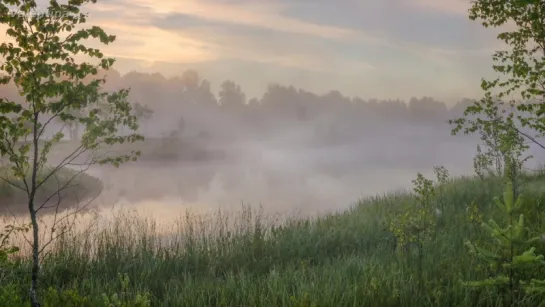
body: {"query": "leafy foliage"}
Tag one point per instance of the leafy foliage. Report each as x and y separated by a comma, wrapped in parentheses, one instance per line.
(39, 58)
(503, 144)
(5, 248)
(416, 222)
(521, 69)
(442, 175)
(123, 299)
(511, 254)
(68, 298)
(43, 66)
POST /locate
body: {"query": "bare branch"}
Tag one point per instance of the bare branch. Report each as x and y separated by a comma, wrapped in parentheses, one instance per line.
(17, 222)
(530, 138)
(55, 115)
(43, 205)
(12, 184)
(71, 157)
(66, 229)
(81, 149)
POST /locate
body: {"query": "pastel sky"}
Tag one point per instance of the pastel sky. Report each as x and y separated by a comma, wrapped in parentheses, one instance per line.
(368, 48)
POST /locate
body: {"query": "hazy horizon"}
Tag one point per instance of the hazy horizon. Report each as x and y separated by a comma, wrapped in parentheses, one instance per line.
(290, 104)
(393, 49)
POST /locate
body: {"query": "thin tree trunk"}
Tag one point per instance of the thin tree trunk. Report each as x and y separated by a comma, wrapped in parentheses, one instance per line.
(35, 259)
(71, 131)
(36, 239)
(76, 131)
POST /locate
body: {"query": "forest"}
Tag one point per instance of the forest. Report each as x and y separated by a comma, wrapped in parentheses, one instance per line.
(188, 101)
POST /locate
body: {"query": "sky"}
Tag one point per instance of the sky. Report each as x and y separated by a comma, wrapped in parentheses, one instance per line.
(367, 48)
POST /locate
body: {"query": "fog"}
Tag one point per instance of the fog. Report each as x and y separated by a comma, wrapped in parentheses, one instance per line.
(289, 151)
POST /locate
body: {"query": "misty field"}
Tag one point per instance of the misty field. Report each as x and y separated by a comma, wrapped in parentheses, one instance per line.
(346, 259)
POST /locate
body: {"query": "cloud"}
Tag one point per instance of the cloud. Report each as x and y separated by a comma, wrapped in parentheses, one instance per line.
(318, 44)
(266, 15)
(204, 38)
(138, 39)
(454, 7)
(181, 38)
(154, 44)
(264, 45)
(262, 36)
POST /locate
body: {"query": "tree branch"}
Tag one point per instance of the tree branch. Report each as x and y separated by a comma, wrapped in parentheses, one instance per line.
(530, 138)
(12, 184)
(64, 187)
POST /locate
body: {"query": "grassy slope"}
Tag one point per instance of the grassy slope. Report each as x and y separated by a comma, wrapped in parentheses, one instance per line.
(339, 260)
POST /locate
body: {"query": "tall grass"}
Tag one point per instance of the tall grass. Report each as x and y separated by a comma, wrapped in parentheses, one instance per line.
(344, 259)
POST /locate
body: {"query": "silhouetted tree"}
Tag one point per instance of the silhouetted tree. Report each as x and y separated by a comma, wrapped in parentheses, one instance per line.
(231, 95)
(143, 113)
(427, 108)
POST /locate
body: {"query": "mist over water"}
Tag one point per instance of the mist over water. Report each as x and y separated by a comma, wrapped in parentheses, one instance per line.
(279, 176)
(290, 151)
(284, 178)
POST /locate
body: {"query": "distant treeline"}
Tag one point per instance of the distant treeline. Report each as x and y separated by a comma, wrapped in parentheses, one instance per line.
(188, 101)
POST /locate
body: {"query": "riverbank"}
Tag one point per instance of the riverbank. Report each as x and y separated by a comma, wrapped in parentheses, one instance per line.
(67, 188)
(344, 259)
